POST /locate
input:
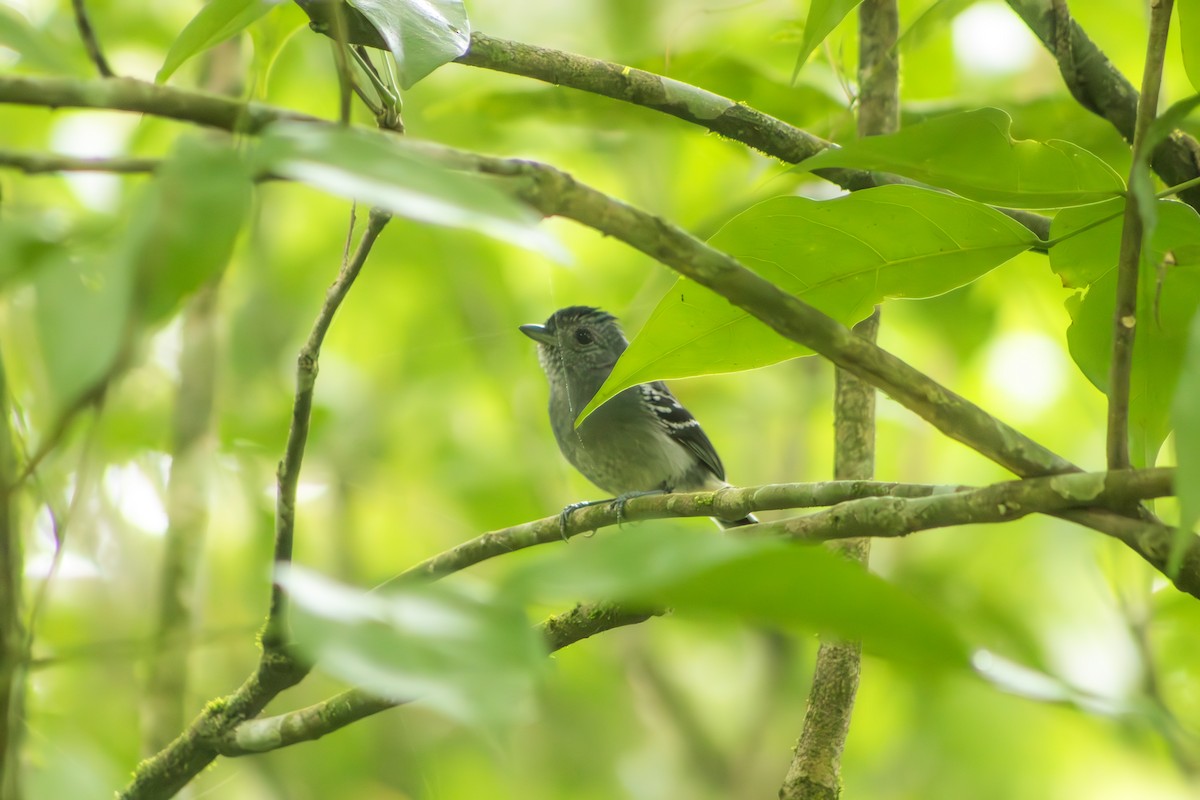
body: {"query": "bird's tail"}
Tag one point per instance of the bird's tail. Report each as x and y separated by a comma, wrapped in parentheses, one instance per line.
(726, 524)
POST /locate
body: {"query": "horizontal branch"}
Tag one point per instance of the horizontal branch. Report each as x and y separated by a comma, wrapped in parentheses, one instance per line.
(864, 510)
(129, 94)
(928, 506)
(999, 502)
(315, 721)
(36, 163)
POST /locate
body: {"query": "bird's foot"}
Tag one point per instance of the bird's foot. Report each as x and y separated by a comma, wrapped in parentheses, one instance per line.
(618, 502)
(564, 516)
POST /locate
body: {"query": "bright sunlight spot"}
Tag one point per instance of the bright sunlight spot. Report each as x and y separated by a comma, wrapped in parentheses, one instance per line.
(990, 38)
(1024, 371)
(136, 497)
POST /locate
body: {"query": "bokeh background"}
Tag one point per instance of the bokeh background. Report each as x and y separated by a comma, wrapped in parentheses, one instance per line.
(430, 428)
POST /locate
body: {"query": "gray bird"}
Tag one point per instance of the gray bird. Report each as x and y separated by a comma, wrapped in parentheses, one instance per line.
(642, 441)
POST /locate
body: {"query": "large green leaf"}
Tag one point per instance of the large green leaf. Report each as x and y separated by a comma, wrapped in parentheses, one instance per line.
(185, 227)
(842, 256)
(1185, 417)
(422, 34)
(382, 170)
(82, 317)
(1168, 296)
(1189, 39)
(973, 153)
(823, 17)
(470, 655)
(215, 22)
(759, 581)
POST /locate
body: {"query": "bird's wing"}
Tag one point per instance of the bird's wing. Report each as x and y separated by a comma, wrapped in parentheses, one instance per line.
(681, 426)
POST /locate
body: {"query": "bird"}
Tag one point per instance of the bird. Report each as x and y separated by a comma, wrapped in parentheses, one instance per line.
(642, 441)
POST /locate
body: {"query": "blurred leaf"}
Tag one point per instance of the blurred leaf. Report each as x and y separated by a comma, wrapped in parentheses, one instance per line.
(216, 21)
(381, 170)
(1185, 416)
(759, 581)
(823, 17)
(1189, 39)
(843, 256)
(472, 656)
(82, 315)
(974, 154)
(269, 34)
(186, 225)
(34, 46)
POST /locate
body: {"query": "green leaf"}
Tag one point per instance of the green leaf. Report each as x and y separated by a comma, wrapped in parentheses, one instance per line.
(842, 256)
(471, 656)
(33, 45)
(1141, 177)
(973, 153)
(186, 225)
(823, 17)
(422, 34)
(387, 172)
(1168, 296)
(216, 21)
(269, 34)
(1185, 417)
(82, 312)
(761, 581)
(1189, 39)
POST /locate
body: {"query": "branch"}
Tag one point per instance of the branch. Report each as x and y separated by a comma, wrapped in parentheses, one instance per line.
(1125, 312)
(174, 766)
(1100, 88)
(14, 645)
(288, 476)
(187, 512)
(315, 721)
(90, 43)
(815, 770)
(36, 163)
(140, 97)
(723, 116)
(1055, 494)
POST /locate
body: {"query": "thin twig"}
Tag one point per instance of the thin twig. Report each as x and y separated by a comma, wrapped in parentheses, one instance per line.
(288, 476)
(1125, 313)
(90, 42)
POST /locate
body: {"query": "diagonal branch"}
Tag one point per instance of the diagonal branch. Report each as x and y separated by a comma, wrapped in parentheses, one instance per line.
(90, 43)
(275, 634)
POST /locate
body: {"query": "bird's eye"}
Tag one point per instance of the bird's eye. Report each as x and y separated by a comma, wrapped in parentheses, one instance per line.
(583, 336)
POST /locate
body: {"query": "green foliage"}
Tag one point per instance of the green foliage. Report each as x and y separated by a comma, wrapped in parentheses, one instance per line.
(823, 17)
(766, 582)
(1185, 418)
(214, 23)
(842, 256)
(421, 34)
(973, 153)
(1168, 297)
(460, 649)
(380, 170)
(1189, 38)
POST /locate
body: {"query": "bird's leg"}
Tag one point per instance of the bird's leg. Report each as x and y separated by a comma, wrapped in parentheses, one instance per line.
(620, 500)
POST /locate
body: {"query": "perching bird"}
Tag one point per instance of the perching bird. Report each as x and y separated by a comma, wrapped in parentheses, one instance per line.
(642, 441)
